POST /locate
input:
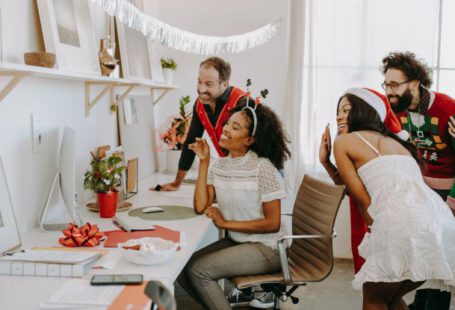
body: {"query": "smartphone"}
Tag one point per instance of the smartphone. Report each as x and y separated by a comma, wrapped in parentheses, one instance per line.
(117, 279)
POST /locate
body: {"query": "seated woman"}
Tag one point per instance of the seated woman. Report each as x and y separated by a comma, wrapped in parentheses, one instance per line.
(412, 236)
(249, 189)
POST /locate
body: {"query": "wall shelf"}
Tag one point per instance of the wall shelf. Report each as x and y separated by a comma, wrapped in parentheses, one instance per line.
(16, 72)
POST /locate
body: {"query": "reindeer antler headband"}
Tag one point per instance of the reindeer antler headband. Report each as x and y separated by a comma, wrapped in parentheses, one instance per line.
(257, 102)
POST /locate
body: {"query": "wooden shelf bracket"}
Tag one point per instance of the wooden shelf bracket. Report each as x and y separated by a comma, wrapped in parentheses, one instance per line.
(89, 104)
(16, 78)
(119, 98)
(162, 92)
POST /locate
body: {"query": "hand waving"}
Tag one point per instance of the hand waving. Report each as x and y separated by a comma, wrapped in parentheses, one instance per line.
(325, 148)
(452, 127)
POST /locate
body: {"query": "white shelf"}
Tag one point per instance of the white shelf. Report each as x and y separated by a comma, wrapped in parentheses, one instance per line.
(18, 71)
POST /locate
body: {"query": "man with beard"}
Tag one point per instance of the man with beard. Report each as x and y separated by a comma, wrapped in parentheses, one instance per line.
(211, 110)
(426, 115)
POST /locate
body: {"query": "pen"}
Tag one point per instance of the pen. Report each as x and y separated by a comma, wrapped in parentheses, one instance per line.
(118, 225)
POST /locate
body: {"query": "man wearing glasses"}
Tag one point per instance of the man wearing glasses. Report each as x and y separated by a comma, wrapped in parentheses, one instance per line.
(427, 116)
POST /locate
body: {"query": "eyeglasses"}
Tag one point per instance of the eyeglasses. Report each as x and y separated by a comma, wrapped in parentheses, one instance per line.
(393, 86)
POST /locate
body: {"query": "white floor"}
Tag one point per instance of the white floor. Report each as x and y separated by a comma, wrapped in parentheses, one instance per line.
(335, 292)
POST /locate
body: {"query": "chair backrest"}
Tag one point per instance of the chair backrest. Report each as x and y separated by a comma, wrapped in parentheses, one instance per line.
(315, 210)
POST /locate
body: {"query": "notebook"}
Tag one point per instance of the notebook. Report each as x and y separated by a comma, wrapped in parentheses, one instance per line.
(132, 223)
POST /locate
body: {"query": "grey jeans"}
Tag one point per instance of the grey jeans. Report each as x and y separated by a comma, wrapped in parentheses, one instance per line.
(224, 259)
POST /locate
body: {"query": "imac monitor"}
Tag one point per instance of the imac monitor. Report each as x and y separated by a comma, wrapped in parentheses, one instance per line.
(68, 170)
(66, 185)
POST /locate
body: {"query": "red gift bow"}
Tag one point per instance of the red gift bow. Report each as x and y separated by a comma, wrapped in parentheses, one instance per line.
(88, 235)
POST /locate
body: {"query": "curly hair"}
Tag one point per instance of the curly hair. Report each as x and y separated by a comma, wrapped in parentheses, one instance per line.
(407, 63)
(270, 138)
(222, 66)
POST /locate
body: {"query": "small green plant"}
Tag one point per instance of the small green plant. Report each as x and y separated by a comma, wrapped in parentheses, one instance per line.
(104, 175)
(168, 63)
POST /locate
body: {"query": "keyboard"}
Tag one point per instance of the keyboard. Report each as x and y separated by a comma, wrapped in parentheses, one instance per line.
(132, 223)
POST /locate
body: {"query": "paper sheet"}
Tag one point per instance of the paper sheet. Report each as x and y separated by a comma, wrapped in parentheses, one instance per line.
(108, 261)
(80, 292)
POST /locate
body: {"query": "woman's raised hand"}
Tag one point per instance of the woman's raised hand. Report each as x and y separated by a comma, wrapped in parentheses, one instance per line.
(452, 126)
(325, 148)
(201, 148)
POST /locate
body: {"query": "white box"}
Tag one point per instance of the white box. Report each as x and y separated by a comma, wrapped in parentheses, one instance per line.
(66, 270)
(17, 268)
(41, 269)
(29, 269)
(5, 267)
(53, 270)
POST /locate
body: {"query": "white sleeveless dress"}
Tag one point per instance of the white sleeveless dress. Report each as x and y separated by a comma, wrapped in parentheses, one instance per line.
(413, 233)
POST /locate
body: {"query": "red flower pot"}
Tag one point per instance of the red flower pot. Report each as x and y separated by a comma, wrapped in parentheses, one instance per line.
(107, 204)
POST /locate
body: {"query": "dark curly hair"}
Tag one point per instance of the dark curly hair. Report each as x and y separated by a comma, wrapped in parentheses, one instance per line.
(270, 138)
(407, 63)
(222, 66)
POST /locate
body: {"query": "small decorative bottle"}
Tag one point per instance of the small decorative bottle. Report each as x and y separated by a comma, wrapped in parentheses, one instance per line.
(106, 56)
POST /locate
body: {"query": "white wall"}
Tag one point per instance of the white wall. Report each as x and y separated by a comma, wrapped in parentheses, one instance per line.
(59, 103)
(265, 64)
(342, 243)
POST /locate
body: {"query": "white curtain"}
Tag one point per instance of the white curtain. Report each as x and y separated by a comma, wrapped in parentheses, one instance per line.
(338, 44)
(294, 97)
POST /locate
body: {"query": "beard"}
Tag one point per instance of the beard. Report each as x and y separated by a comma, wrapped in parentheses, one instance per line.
(403, 101)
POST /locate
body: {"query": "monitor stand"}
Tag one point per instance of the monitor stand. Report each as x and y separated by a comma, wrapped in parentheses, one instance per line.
(75, 217)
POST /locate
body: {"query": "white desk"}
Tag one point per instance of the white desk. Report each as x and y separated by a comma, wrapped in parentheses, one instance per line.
(24, 292)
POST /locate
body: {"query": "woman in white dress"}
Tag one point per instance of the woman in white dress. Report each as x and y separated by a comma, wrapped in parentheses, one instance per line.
(412, 236)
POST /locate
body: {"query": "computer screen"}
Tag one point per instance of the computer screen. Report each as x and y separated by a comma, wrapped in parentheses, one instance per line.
(64, 184)
(68, 170)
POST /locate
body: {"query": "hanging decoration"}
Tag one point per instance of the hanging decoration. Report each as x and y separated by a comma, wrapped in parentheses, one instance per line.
(182, 40)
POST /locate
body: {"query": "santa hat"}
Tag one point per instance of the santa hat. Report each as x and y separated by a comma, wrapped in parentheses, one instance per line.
(380, 103)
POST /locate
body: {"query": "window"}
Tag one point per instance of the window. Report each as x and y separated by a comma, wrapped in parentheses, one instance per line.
(346, 41)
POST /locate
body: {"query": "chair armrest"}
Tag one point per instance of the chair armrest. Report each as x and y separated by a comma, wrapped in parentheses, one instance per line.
(284, 256)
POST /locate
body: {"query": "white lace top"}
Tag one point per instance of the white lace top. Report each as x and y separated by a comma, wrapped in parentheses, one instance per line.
(242, 184)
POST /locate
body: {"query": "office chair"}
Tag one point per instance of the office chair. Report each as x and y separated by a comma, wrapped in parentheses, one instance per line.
(310, 256)
(161, 297)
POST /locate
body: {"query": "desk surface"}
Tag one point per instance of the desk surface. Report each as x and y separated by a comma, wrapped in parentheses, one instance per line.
(24, 292)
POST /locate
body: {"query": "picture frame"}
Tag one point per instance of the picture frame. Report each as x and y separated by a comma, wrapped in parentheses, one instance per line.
(132, 177)
(138, 140)
(102, 150)
(9, 234)
(121, 154)
(134, 56)
(68, 32)
(130, 111)
(155, 62)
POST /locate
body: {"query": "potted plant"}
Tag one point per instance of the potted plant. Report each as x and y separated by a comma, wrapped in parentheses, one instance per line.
(103, 178)
(175, 136)
(169, 66)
